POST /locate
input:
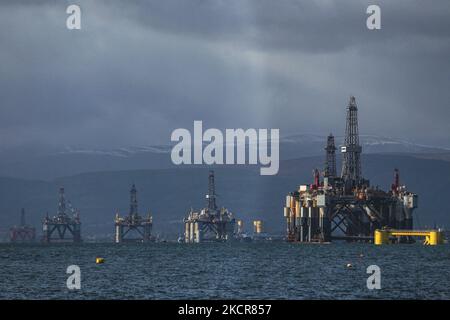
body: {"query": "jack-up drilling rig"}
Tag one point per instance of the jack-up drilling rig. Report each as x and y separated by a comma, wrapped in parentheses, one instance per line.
(133, 227)
(22, 232)
(346, 207)
(62, 227)
(211, 223)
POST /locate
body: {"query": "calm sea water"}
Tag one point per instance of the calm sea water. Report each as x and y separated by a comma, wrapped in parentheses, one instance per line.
(256, 270)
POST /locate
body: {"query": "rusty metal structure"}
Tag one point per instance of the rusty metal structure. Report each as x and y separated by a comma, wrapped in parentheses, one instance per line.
(346, 207)
(64, 226)
(211, 223)
(22, 232)
(133, 227)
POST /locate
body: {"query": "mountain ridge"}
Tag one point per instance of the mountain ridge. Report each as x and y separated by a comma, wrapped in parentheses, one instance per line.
(170, 193)
(49, 163)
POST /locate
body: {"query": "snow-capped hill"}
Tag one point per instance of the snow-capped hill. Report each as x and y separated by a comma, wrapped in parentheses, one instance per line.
(297, 144)
(384, 144)
(117, 152)
(43, 162)
(312, 144)
(303, 138)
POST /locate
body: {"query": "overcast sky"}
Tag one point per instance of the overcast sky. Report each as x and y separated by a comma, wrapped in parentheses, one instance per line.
(137, 70)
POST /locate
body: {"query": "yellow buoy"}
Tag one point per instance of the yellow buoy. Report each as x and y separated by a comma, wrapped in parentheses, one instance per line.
(99, 260)
(381, 237)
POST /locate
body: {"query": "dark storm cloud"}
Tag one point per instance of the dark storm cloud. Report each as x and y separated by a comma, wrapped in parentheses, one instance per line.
(313, 26)
(139, 69)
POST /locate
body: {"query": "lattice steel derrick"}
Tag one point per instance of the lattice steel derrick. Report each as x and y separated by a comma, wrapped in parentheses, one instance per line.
(211, 196)
(133, 201)
(330, 160)
(61, 203)
(351, 151)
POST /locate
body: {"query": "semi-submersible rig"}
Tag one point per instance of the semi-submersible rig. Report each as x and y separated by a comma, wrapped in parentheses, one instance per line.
(211, 223)
(133, 227)
(346, 207)
(22, 232)
(64, 226)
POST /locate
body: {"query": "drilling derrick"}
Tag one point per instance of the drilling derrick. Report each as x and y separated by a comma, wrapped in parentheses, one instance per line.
(346, 207)
(210, 223)
(211, 196)
(330, 160)
(133, 202)
(133, 227)
(63, 227)
(22, 232)
(351, 150)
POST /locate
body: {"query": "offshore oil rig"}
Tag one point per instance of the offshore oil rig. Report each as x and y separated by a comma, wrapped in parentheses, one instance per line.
(133, 227)
(22, 232)
(211, 223)
(62, 227)
(346, 207)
